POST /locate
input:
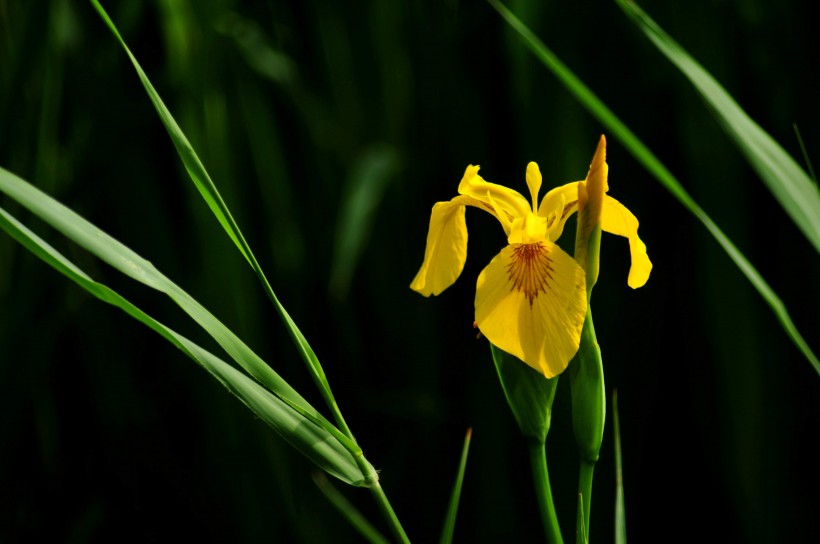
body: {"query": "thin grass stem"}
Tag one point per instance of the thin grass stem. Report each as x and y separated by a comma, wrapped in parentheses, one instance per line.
(805, 153)
(389, 514)
(350, 513)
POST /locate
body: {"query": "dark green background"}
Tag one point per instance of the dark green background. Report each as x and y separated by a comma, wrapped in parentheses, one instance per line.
(108, 434)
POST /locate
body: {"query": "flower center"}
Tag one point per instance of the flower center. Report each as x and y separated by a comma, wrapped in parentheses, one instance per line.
(530, 269)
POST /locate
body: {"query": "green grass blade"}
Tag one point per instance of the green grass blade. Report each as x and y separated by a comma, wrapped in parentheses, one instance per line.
(363, 193)
(322, 447)
(452, 510)
(805, 153)
(786, 180)
(654, 166)
(620, 507)
(350, 512)
(209, 192)
(132, 265)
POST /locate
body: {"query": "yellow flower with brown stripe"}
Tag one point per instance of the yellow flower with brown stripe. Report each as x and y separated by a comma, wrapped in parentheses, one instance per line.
(531, 299)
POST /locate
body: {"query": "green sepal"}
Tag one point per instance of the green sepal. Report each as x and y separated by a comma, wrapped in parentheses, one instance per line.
(528, 393)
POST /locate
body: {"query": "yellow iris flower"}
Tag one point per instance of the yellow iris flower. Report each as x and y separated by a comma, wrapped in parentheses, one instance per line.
(531, 299)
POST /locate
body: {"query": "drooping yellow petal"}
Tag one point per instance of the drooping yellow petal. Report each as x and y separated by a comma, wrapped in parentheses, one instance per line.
(531, 302)
(505, 198)
(615, 218)
(446, 249)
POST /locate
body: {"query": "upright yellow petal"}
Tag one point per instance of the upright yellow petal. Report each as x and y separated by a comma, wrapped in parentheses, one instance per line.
(446, 249)
(557, 205)
(531, 302)
(615, 218)
(507, 199)
(534, 183)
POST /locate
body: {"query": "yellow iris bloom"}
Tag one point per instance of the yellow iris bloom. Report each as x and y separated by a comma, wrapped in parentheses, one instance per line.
(531, 299)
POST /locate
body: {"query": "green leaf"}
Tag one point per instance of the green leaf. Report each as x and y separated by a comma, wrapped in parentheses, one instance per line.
(528, 393)
(620, 508)
(644, 156)
(312, 440)
(786, 180)
(209, 192)
(452, 510)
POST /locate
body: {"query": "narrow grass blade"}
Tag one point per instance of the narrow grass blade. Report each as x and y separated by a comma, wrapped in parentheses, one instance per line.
(350, 513)
(620, 511)
(132, 265)
(789, 183)
(654, 166)
(363, 193)
(452, 510)
(209, 192)
(805, 153)
(322, 447)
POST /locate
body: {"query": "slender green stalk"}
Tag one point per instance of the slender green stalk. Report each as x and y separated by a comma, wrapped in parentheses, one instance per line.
(389, 514)
(452, 510)
(585, 491)
(620, 514)
(351, 514)
(541, 479)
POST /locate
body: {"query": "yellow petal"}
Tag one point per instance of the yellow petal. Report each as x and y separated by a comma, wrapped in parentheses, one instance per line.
(531, 302)
(615, 218)
(508, 200)
(446, 249)
(534, 183)
(557, 205)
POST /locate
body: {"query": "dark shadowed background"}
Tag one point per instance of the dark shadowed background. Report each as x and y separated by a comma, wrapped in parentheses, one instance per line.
(331, 129)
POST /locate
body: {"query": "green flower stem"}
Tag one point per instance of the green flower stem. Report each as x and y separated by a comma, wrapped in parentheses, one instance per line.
(540, 476)
(585, 490)
(588, 411)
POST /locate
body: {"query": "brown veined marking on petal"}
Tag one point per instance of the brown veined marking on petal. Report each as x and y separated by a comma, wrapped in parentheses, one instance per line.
(490, 209)
(530, 269)
(568, 208)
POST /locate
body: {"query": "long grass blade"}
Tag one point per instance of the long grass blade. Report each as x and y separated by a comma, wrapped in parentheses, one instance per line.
(132, 265)
(350, 512)
(455, 497)
(312, 440)
(209, 192)
(620, 506)
(654, 166)
(789, 183)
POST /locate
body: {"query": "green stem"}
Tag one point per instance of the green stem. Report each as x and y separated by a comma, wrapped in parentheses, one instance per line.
(372, 479)
(585, 490)
(389, 514)
(541, 479)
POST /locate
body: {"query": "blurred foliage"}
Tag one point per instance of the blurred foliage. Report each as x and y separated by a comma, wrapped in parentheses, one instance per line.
(331, 129)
